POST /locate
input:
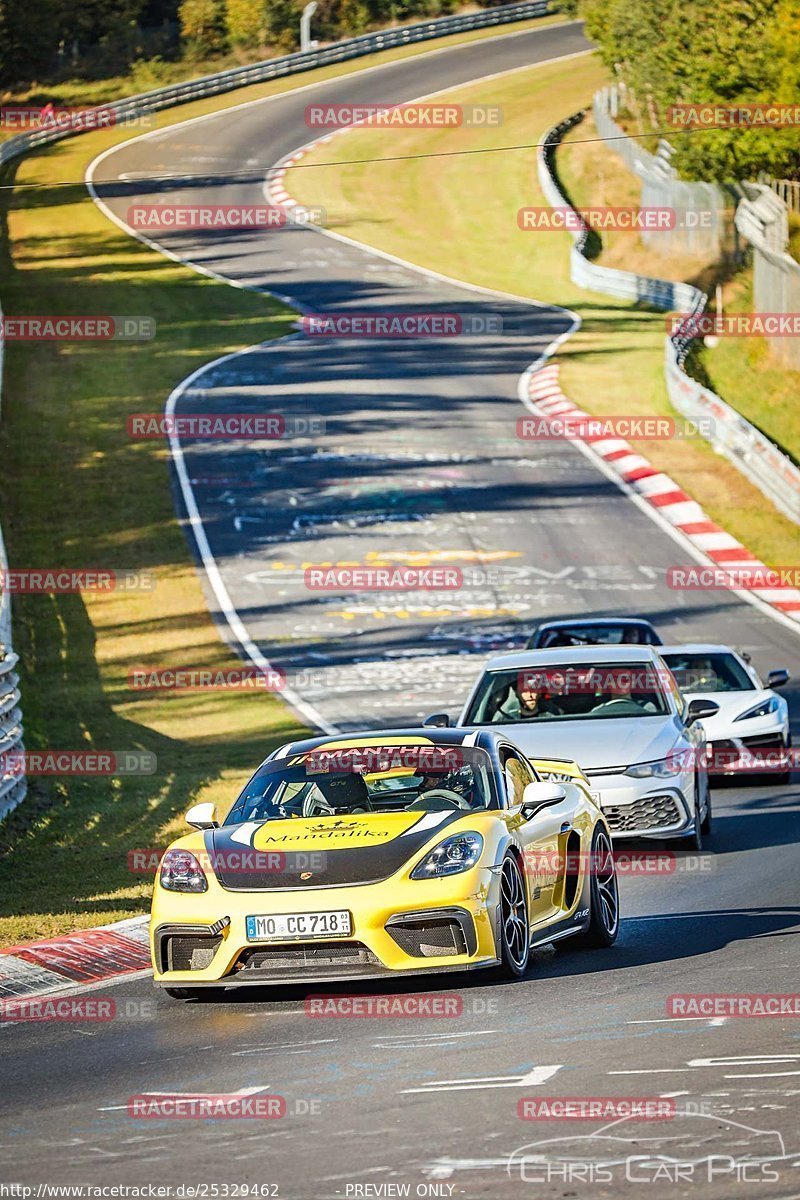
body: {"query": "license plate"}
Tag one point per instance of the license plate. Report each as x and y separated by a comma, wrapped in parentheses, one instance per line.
(285, 926)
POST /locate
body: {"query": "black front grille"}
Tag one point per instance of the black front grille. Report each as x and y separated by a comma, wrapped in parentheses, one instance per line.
(652, 812)
(188, 952)
(429, 939)
(306, 956)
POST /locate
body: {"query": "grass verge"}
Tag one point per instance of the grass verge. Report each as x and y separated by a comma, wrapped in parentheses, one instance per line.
(458, 215)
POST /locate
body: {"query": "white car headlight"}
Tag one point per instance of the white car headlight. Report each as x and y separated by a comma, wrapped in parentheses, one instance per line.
(181, 872)
(454, 854)
(663, 768)
(770, 705)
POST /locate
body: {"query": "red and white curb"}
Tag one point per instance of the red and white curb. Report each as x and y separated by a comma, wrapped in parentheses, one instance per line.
(659, 491)
(87, 956)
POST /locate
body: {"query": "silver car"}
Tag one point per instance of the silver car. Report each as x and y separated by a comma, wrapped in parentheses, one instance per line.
(618, 712)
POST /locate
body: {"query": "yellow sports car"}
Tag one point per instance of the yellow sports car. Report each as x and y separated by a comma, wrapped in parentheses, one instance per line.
(380, 854)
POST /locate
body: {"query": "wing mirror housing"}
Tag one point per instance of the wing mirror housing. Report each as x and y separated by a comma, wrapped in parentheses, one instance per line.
(437, 721)
(778, 678)
(699, 709)
(203, 816)
(541, 795)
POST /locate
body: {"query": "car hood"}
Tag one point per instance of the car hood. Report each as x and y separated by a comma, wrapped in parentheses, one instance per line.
(597, 744)
(316, 852)
(731, 705)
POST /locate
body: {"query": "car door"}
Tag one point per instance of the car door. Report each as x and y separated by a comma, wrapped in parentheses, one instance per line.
(543, 837)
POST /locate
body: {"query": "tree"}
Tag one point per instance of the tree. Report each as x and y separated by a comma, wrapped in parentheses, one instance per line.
(246, 23)
(202, 26)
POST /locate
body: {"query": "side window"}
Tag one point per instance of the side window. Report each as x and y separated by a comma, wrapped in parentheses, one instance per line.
(517, 774)
(676, 693)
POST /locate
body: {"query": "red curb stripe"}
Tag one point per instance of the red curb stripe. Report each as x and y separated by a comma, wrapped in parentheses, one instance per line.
(732, 554)
(664, 499)
(700, 527)
(640, 473)
(85, 956)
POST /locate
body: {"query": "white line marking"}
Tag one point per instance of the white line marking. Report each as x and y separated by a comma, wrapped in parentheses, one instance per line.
(533, 1078)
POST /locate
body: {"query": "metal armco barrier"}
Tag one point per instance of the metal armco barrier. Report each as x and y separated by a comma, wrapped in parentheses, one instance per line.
(759, 459)
(13, 786)
(136, 107)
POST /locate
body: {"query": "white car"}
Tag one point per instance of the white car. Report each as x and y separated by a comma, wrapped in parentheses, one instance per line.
(750, 733)
(616, 711)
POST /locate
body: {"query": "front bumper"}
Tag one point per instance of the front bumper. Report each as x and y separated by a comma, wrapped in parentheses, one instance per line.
(408, 927)
(646, 808)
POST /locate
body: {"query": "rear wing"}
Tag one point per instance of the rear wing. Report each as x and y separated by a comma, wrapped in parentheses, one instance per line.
(559, 770)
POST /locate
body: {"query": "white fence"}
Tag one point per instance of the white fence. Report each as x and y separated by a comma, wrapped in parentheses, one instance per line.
(12, 785)
(763, 219)
(745, 446)
(699, 207)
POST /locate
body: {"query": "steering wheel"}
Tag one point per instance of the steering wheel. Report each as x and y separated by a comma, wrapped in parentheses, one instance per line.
(442, 794)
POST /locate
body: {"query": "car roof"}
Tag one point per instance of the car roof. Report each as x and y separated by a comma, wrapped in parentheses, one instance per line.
(486, 739)
(697, 648)
(559, 655)
(577, 622)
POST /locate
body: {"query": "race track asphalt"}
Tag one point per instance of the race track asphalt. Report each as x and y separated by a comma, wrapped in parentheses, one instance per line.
(420, 455)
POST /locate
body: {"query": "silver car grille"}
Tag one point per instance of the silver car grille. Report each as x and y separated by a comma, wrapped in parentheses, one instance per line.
(651, 812)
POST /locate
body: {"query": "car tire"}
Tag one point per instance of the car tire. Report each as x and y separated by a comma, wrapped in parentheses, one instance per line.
(694, 839)
(783, 777)
(706, 823)
(604, 895)
(514, 923)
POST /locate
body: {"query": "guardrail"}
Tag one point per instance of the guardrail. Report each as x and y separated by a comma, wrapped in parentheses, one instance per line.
(764, 463)
(13, 786)
(136, 107)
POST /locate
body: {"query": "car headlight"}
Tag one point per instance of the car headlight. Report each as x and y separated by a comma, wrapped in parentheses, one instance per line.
(454, 854)
(770, 705)
(181, 872)
(663, 768)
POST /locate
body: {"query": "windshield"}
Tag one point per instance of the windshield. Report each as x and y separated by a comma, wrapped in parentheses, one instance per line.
(708, 673)
(364, 780)
(569, 692)
(594, 635)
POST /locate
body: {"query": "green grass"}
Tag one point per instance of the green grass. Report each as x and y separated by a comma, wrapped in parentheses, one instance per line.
(458, 215)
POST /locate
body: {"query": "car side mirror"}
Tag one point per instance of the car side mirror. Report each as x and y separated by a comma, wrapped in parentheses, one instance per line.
(203, 816)
(541, 795)
(777, 679)
(699, 709)
(437, 721)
